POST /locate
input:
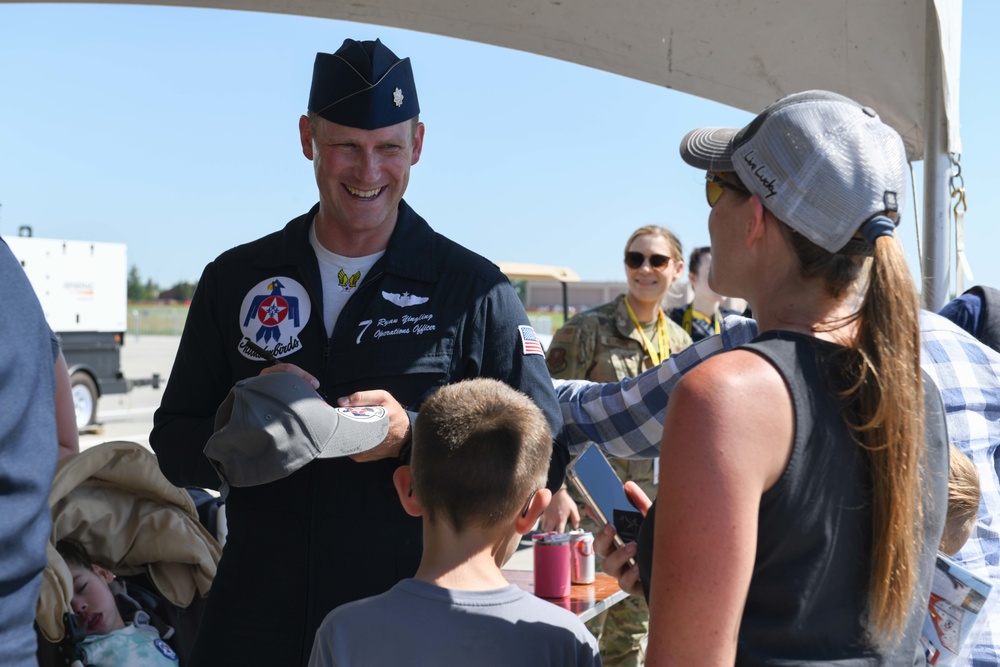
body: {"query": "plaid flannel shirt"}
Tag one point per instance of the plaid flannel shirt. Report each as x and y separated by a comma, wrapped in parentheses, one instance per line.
(626, 420)
(968, 375)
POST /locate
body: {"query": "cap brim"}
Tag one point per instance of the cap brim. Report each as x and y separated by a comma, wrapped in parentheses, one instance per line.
(357, 430)
(709, 148)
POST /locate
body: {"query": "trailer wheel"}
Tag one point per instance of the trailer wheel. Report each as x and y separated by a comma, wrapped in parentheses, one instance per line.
(84, 399)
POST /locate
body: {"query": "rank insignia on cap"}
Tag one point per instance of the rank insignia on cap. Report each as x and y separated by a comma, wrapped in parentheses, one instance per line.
(350, 87)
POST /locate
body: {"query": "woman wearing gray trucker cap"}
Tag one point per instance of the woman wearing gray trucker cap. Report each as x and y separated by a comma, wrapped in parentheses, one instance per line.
(802, 528)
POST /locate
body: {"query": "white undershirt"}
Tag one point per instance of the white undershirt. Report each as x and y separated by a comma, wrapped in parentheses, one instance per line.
(341, 277)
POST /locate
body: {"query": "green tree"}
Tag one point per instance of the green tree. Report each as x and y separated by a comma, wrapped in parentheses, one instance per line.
(139, 291)
(182, 291)
(135, 289)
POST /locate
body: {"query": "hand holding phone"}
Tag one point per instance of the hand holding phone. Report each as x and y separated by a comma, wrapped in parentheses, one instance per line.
(604, 493)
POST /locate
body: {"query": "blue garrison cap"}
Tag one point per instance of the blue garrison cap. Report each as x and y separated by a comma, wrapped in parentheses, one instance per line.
(363, 85)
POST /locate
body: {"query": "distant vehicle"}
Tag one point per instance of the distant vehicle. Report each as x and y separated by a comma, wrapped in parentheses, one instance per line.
(82, 286)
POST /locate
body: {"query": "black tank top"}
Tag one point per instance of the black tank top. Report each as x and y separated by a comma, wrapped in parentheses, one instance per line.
(807, 600)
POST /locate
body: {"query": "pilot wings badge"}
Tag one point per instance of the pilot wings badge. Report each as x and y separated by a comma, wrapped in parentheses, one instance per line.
(347, 283)
(405, 299)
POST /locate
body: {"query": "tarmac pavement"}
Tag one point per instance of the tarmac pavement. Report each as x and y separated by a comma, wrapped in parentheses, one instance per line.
(129, 416)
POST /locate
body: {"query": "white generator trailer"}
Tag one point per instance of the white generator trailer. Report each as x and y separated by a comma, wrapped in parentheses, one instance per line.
(82, 286)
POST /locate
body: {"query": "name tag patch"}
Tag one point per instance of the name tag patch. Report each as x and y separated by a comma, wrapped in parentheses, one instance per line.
(404, 325)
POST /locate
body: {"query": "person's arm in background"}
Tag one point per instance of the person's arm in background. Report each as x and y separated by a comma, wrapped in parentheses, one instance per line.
(625, 418)
(966, 311)
(69, 438)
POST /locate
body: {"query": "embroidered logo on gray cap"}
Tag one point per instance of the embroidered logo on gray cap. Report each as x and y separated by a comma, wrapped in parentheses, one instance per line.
(891, 203)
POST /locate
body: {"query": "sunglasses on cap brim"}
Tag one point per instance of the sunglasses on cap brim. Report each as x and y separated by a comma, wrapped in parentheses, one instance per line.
(715, 185)
(635, 260)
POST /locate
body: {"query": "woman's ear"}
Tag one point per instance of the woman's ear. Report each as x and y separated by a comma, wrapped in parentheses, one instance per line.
(755, 223)
(402, 479)
(679, 270)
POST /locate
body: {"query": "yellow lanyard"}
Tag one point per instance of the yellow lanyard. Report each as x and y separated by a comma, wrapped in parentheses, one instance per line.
(691, 312)
(661, 335)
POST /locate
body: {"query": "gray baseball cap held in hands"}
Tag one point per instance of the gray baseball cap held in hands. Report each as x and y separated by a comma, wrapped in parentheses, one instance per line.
(271, 425)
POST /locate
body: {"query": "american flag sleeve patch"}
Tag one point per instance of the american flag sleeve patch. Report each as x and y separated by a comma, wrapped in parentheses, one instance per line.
(529, 341)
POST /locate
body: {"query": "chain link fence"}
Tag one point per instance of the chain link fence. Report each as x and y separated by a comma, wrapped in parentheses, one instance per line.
(156, 320)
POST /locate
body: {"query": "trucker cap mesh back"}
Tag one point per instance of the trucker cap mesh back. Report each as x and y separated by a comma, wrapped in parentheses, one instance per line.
(822, 165)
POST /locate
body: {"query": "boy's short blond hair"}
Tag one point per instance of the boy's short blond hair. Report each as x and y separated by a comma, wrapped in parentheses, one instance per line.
(963, 501)
(480, 449)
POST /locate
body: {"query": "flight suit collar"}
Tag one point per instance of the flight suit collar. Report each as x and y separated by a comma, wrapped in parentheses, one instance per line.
(411, 252)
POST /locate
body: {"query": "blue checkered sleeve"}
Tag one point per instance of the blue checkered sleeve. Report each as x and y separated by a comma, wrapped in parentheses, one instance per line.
(968, 375)
(626, 419)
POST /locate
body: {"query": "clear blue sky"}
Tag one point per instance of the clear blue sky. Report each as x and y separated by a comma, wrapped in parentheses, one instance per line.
(175, 131)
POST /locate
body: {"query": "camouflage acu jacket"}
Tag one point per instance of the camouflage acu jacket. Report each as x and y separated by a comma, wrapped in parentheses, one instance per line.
(603, 345)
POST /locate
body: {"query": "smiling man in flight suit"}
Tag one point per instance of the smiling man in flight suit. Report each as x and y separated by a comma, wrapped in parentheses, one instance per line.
(363, 299)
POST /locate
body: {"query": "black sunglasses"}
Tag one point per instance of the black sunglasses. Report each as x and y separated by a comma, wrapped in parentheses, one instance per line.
(715, 185)
(635, 260)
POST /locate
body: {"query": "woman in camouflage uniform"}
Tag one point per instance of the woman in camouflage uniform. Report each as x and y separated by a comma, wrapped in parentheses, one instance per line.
(622, 339)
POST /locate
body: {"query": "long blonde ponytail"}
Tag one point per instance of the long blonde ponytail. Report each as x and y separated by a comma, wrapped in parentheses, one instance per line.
(889, 395)
(886, 415)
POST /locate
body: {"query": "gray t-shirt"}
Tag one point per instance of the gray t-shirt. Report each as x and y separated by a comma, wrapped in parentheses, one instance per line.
(418, 623)
(28, 447)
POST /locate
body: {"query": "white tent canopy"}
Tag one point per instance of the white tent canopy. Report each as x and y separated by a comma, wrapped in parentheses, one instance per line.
(901, 58)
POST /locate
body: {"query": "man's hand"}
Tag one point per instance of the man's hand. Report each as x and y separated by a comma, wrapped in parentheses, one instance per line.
(560, 509)
(399, 423)
(293, 369)
(616, 561)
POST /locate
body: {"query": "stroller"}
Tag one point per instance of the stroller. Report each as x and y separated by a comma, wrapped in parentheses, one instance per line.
(114, 501)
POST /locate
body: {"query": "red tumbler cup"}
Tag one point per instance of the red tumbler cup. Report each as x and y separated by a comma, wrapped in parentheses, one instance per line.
(551, 565)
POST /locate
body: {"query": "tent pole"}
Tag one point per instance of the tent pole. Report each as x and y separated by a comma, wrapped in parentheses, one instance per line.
(935, 264)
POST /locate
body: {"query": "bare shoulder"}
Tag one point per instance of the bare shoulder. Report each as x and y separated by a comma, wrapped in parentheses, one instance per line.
(737, 406)
(737, 374)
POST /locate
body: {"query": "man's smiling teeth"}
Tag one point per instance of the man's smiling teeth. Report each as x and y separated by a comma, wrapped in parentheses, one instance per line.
(365, 194)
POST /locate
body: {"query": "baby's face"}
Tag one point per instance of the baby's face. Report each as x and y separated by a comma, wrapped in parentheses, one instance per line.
(93, 603)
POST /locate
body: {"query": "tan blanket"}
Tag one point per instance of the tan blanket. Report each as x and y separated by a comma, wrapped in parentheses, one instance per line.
(114, 500)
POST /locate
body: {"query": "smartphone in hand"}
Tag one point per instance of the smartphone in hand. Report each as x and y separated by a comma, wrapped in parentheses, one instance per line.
(604, 493)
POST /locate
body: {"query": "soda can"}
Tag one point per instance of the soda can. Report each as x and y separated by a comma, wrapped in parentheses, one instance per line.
(581, 563)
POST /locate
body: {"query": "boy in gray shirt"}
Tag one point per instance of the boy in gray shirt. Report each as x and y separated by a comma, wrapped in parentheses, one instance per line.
(477, 476)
